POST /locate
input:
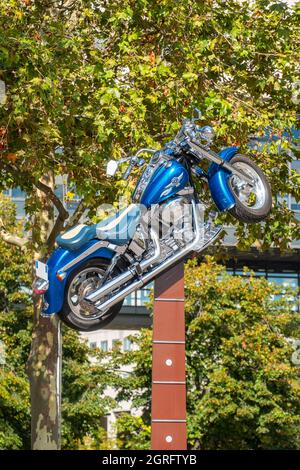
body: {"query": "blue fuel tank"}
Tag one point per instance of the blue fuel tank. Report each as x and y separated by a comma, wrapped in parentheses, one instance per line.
(169, 178)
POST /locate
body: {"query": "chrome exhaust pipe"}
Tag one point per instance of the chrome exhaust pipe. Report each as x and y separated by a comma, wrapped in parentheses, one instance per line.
(147, 277)
(127, 275)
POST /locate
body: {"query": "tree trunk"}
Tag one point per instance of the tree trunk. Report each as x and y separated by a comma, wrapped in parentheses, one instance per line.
(44, 362)
(45, 383)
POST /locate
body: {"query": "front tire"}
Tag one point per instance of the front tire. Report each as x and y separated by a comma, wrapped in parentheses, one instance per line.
(81, 281)
(254, 204)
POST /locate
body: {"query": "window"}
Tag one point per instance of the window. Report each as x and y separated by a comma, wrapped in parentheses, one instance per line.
(286, 278)
(20, 208)
(59, 191)
(18, 193)
(139, 298)
(18, 198)
(104, 346)
(104, 422)
(71, 206)
(93, 345)
(296, 165)
(127, 344)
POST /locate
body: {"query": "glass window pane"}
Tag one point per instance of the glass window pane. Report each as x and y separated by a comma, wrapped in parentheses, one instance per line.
(240, 272)
(285, 282)
(104, 346)
(59, 191)
(127, 344)
(130, 299)
(295, 206)
(273, 273)
(145, 296)
(20, 209)
(138, 297)
(17, 192)
(296, 165)
(71, 206)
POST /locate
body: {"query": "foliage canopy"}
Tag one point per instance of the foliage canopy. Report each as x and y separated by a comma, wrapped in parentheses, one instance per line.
(243, 389)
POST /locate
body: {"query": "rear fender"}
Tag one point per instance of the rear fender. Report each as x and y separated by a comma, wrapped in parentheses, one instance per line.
(218, 180)
(54, 297)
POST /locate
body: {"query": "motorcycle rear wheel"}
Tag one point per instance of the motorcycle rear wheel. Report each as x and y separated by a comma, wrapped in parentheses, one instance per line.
(252, 205)
(80, 282)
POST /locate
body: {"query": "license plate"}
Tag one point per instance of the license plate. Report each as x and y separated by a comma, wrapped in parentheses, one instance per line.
(41, 270)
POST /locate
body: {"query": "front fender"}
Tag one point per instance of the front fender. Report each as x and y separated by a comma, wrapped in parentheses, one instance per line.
(60, 257)
(218, 181)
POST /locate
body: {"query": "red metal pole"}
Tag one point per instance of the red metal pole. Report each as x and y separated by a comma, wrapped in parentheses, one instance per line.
(168, 366)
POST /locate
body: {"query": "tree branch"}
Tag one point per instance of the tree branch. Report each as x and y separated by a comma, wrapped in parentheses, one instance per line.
(63, 213)
(59, 224)
(57, 228)
(74, 219)
(11, 238)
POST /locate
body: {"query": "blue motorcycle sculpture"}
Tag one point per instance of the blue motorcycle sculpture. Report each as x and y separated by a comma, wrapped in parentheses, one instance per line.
(95, 267)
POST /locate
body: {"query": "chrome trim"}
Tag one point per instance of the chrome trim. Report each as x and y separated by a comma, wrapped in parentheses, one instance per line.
(40, 285)
(211, 156)
(146, 176)
(175, 182)
(197, 244)
(145, 150)
(101, 243)
(127, 275)
(242, 192)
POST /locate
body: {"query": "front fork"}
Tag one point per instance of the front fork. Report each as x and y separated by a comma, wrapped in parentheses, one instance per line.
(222, 163)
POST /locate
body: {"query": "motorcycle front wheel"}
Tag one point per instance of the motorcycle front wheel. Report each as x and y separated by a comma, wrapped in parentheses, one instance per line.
(76, 312)
(252, 203)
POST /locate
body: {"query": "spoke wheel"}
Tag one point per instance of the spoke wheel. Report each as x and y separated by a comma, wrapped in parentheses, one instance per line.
(249, 195)
(76, 312)
(253, 202)
(83, 284)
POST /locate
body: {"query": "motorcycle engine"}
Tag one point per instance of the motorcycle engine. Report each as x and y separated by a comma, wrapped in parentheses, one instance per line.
(176, 228)
(172, 221)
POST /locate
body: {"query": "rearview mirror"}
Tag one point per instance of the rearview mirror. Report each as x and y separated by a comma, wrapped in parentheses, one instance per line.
(197, 114)
(111, 168)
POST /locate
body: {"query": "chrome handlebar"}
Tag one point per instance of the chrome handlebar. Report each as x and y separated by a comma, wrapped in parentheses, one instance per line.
(113, 165)
(189, 131)
(135, 161)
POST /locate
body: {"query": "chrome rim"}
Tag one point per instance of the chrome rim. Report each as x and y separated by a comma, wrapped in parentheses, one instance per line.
(251, 196)
(84, 283)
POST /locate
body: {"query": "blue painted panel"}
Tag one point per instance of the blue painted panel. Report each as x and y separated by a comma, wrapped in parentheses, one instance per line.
(218, 181)
(166, 181)
(60, 257)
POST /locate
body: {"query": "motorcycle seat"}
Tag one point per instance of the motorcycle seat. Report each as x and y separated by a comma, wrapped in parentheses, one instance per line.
(118, 229)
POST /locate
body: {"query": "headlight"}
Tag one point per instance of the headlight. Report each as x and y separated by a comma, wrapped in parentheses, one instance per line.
(111, 168)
